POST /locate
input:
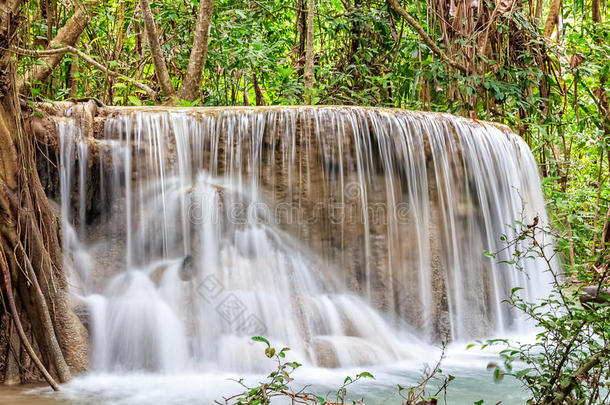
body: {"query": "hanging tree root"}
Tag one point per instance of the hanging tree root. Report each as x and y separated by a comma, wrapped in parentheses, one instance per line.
(31, 256)
(37, 296)
(13, 310)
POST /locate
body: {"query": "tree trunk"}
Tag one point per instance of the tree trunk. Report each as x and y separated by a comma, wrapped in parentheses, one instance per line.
(192, 81)
(155, 49)
(309, 54)
(596, 11)
(301, 27)
(30, 253)
(17, 322)
(72, 82)
(355, 34)
(260, 99)
(553, 18)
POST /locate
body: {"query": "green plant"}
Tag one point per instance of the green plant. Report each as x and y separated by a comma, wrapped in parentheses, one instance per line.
(569, 360)
(419, 394)
(278, 385)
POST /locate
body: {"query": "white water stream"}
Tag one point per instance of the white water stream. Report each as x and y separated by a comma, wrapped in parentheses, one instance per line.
(353, 236)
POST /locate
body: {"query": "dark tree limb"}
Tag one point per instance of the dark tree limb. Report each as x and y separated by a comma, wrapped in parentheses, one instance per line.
(424, 36)
(63, 50)
(580, 373)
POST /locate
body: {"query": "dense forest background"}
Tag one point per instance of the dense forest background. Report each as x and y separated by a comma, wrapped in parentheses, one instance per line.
(540, 67)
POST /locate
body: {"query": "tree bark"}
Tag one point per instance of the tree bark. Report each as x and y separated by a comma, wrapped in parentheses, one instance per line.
(72, 83)
(552, 18)
(67, 35)
(596, 11)
(309, 53)
(259, 99)
(30, 253)
(356, 33)
(17, 322)
(538, 15)
(37, 296)
(301, 28)
(192, 81)
(155, 49)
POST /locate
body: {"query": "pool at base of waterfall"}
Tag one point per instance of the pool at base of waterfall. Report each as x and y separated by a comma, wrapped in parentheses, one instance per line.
(472, 383)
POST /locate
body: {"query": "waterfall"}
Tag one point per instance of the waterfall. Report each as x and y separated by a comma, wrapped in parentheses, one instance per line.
(351, 235)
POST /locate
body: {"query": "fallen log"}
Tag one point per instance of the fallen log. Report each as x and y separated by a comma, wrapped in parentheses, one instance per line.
(593, 294)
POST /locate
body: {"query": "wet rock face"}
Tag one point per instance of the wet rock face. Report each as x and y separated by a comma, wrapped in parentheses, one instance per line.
(400, 204)
(326, 356)
(82, 313)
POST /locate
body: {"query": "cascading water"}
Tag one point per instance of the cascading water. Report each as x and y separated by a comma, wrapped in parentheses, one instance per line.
(351, 235)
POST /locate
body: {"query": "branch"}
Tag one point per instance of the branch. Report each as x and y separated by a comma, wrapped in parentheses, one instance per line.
(424, 36)
(192, 80)
(155, 49)
(28, 52)
(67, 35)
(581, 372)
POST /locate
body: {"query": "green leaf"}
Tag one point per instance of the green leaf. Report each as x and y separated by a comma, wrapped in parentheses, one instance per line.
(488, 254)
(269, 352)
(261, 339)
(134, 100)
(365, 374)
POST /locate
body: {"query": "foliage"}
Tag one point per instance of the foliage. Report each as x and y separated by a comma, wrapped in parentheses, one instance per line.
(569, 361)
(279, 385)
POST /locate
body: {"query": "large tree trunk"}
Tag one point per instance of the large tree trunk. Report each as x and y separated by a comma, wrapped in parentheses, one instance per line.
(192, 81)
(155, 49)
(552, 18)
(596, 11)
(34, 287)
